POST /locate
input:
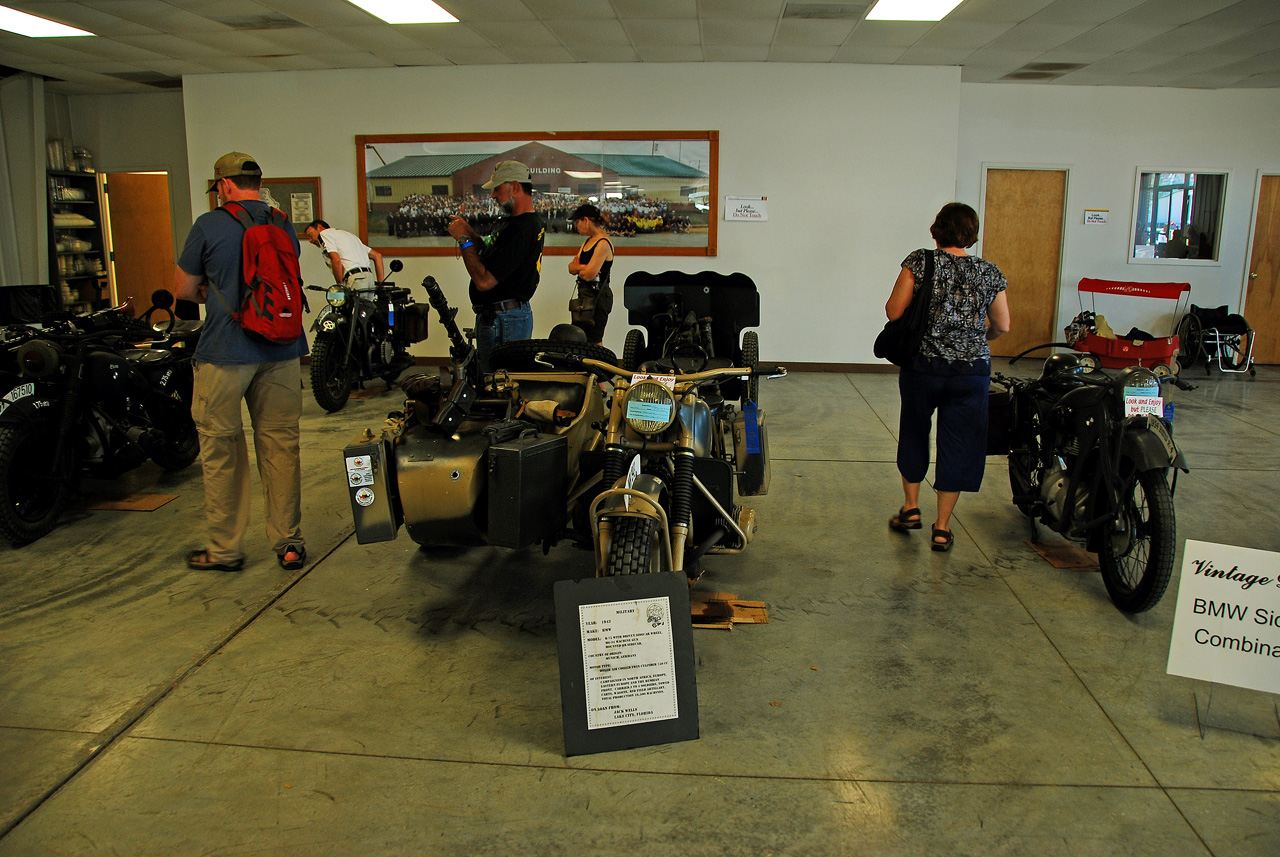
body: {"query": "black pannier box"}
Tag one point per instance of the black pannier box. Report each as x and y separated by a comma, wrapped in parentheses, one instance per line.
(415, 321)
(528, 489)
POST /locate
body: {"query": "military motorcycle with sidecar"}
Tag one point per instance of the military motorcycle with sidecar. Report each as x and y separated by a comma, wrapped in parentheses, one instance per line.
(535, 452)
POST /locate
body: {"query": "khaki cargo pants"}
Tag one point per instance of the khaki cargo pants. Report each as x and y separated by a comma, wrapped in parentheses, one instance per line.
(273, 393)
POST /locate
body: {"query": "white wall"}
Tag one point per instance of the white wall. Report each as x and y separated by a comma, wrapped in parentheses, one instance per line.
(1103, 135)
(139, 133)
(854, 160)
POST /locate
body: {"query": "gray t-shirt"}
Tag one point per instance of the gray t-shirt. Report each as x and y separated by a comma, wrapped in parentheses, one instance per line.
(213, 250)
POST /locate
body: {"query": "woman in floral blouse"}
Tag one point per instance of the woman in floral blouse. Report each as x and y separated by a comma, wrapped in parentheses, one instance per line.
(951, 374)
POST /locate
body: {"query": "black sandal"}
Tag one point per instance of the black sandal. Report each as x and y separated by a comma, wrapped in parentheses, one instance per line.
(292, 564)
(900, 523)
(948, 540)
(199, 560)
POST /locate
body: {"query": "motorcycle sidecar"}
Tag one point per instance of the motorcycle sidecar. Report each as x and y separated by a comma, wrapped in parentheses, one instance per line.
(502, 474)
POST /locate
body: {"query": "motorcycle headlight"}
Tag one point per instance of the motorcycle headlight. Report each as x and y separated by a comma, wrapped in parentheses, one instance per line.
(651, 407)
(336, 296)
(38, 358)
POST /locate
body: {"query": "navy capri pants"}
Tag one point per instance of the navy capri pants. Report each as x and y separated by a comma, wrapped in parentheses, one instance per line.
(957, 390)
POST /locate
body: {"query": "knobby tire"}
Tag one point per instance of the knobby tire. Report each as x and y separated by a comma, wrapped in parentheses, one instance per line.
(1137, 564)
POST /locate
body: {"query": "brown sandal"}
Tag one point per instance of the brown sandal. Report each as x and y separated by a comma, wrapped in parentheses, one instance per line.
(199, 559)
(947, 537)
(900, 523)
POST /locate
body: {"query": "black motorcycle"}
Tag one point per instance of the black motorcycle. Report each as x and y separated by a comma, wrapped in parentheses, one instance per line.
(89, 395)
(1089, 459)
(360, 335)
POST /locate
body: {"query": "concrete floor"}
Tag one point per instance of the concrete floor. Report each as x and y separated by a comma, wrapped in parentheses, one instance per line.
(389, 699)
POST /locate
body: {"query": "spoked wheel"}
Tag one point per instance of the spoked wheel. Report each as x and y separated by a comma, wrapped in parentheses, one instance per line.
(31, 496)
(635, 546)
(330, 372)
(1137, 557)
(750, 360)
(631, 350)
(1190, 341)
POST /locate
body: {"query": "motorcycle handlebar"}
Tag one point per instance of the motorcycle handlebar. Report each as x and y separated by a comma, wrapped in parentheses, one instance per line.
(599, 367)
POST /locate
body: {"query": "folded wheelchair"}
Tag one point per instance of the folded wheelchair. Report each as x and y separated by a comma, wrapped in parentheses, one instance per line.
(1206, 334)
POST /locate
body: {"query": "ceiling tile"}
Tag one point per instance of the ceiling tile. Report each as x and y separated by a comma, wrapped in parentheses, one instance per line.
(1269, 80)
(962, 34)
(376, 38)
(488, 10)
(234, 65)
(460, 55)
(802, 53)
(669, 53)
(235, 42)
(1041, 37)
(573, 33)
(997, 11)
(873, 54)
(1083, 11)
(85, 17)
(417, 56)
(323, 13)
(741, 8)
(739, 31)
(504, 34)
(441, 36)
(666, 31)
(157, 15)
(293, 62)
(579, 9)
(120, 50)
(802, 32)
(603, 53)
(354, 59)
(170, 46)
(1115, 37)
(736, 53)
(542, 54)
(920, 55)
(656, 8)
(308, 41)
(1253, 65)
(889, 33)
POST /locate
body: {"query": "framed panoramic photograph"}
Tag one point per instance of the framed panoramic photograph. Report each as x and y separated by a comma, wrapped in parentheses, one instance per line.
(656, 189)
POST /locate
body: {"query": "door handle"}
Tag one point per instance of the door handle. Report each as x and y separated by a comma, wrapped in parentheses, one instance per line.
(1253, 275)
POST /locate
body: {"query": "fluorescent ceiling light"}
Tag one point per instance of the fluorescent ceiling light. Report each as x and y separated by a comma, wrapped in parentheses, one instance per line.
(406, 11)
(37, 28)
(911, 10)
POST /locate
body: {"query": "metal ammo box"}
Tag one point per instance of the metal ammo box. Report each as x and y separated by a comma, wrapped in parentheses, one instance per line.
(369, 481)
(528, 488)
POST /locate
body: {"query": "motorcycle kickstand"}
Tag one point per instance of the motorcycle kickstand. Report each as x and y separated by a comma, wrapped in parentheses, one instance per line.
(1035, 531)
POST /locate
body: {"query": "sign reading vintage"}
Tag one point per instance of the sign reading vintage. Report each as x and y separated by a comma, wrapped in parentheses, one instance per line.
(1226, 627)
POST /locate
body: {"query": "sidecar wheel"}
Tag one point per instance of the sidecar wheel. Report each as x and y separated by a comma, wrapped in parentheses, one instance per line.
(1137, 562)
(179, 452)
(330, 374)
(635, 548)
(31, 497)
(519, 356)
(631, 350)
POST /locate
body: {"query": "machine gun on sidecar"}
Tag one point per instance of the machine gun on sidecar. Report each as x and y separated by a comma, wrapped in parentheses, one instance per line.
(535, 452)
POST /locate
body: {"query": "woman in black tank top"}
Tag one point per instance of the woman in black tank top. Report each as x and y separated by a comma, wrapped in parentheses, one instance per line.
(592, 264)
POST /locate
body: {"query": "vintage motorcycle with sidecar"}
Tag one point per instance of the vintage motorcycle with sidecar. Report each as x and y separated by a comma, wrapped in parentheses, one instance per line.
(1090, 458)
(536, 452)
(362, 334)
(89, 395)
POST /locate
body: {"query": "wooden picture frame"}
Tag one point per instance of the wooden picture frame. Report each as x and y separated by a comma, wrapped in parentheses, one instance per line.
(657, 189)
(296, 196)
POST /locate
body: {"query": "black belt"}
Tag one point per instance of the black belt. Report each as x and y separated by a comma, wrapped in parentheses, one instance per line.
(498, 307)
(357, 271)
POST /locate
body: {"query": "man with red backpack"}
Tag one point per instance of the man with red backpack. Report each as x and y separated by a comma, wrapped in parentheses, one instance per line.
(245, 272)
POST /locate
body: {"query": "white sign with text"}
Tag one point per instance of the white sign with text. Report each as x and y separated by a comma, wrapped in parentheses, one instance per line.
(746, 208)
(1226, 626)
(628, 662)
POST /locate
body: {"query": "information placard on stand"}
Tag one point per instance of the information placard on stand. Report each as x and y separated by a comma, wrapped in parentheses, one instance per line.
(627, 672)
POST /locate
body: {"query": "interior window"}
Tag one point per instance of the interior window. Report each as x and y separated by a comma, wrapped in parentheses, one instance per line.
(1178, 216)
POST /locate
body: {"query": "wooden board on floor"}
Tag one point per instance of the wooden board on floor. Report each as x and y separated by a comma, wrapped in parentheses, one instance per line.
(1063, 554)
(132, 503)
(722, 610)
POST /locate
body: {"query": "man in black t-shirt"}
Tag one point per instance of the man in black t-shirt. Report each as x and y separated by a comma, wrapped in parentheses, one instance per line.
(505, 273)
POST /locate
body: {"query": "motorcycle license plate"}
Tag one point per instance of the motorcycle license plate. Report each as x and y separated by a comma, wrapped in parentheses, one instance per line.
(1166, 439)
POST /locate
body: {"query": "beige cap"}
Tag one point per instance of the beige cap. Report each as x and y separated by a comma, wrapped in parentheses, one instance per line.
(507, 171)
(234, 164)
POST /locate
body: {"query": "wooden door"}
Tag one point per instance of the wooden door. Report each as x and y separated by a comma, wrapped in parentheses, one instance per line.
(1262, 295)
(141, 236)
(1022, 234)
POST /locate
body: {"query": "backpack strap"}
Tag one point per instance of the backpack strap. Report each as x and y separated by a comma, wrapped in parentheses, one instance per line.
(238, 211)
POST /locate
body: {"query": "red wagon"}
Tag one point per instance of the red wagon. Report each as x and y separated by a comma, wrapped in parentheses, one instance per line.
(1116, 353)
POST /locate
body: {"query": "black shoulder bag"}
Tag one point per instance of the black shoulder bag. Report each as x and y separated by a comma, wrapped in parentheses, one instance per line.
(900, 339)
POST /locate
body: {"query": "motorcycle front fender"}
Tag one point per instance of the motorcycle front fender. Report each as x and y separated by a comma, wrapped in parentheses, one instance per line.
(1149, 444)
(649, 485)
(28, 401)
(327, 320)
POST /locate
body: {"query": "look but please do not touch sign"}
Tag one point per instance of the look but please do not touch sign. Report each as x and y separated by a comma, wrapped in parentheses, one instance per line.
(1226, 627)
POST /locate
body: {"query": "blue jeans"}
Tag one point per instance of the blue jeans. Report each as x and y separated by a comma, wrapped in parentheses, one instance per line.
(508, 325)
(958, 392)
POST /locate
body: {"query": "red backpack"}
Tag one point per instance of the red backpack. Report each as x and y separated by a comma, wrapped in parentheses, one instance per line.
(271, 290)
